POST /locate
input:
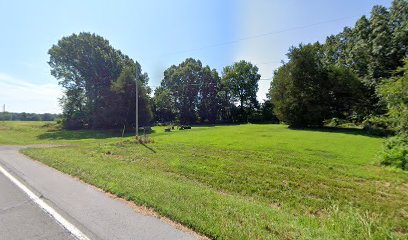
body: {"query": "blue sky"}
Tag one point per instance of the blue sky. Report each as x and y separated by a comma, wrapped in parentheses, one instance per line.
(158, 34)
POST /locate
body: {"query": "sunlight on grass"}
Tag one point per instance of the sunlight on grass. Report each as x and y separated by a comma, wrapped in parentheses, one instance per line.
(239, 182)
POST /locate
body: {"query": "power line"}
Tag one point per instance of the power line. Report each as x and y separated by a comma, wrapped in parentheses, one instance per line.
(258, 36)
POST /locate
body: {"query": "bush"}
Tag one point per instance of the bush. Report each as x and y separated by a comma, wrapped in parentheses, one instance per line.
(378, 125)
(335, 122)
(393, 93)
(395, 152)
(256, 117)
(73, 124)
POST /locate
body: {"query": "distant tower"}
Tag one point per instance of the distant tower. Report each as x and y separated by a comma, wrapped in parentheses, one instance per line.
(4, 108)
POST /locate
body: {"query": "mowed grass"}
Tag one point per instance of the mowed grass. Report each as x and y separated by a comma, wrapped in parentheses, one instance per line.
(239, 182)
(37, 132)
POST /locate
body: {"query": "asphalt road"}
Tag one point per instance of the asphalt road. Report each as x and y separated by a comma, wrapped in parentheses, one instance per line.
(86, 209)
(20, 218)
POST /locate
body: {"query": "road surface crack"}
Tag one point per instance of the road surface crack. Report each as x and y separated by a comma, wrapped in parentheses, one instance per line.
(7, 209)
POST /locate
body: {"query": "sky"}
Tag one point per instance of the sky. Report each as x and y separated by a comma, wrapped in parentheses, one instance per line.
(159, 34)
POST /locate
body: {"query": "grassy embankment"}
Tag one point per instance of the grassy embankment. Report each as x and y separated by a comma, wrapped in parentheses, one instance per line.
(239, 182)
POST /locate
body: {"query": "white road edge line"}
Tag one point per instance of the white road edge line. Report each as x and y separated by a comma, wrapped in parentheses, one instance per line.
(44, 206)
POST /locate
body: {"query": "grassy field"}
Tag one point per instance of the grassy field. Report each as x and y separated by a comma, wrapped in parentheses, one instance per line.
(239, 182)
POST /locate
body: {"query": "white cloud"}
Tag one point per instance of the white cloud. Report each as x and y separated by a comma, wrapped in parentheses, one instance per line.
(23, 96)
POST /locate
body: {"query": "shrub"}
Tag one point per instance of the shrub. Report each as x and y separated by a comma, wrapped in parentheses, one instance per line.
(334, 122)
(73, 124)
(378, 125)
(393, 92)
(395, 152)
(256, 117)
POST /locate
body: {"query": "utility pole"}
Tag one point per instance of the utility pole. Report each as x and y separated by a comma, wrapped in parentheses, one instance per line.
(137, 109)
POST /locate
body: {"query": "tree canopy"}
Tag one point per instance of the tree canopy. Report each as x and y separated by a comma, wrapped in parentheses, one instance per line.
(98, 82)
(340, 77)
(192, 91)
(240, 82)
(306, 92)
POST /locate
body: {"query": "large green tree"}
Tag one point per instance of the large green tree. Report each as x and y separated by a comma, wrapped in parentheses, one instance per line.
(86, 66)
(380, 62)
(124, 104)
(346, 93)
(305, 92)
(299, 89)
(164, 106)
(209, 102)
(192, 91)
(373, 49)
(240, 82)
(359, 47)
(399, 29)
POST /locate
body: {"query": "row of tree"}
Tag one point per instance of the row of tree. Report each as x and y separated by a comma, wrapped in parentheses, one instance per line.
(99, 85)
(9, 116)
(336, 79)
(351, 76)
(358, 74)
(191, 92)
(341, 78)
